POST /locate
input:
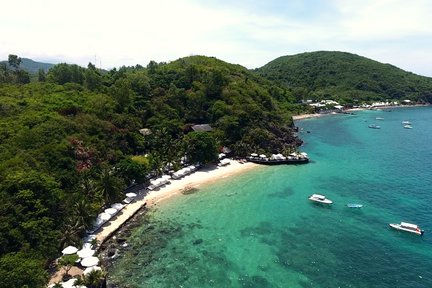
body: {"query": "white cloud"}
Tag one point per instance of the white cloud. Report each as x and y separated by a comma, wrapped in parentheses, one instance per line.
(134, 32)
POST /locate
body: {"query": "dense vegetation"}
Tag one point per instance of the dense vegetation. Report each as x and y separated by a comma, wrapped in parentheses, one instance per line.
(71, 142)
(345, 77)
(31, 66)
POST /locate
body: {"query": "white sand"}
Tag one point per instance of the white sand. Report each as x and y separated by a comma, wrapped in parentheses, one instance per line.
(194, 180)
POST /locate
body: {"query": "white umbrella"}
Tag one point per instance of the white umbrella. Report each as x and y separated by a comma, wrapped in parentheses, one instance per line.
(69, 283)
(254, 154)
(90, 261)
(111, 211)
(69, 250)
(263, 156)
(131, 195)
(85, 253)
(117, 206)
(104, 216)
(90, 269)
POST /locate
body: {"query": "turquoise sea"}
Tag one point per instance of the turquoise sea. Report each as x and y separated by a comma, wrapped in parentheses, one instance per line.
(259, 229)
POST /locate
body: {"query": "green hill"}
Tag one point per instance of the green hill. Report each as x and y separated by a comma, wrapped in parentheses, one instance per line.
(346, 77)
(32, 66)
(69, 145)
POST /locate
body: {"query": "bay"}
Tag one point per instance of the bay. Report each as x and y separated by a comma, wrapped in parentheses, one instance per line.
(258, 229)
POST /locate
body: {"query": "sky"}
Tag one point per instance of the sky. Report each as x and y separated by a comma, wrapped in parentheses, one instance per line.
(113, 33)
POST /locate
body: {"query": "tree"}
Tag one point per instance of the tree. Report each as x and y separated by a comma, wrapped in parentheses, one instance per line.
(68, 261)
(110, 186)
(14, 61)
(132, 171)
(93, 79)
(18, 270)
(201, 147)
(41, 75)
(93, 279)
(23, 77)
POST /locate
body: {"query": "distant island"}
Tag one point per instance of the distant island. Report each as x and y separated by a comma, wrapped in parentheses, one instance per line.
(72, 139)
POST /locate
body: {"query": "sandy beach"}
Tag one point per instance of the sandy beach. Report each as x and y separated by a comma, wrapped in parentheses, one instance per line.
(203, 176)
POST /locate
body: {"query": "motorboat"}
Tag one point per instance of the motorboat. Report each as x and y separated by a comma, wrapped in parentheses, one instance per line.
(379, 118)
(408, 227)
(354, 205)
(320, 199)
(407, 126)
(374, 126)
(406, 122)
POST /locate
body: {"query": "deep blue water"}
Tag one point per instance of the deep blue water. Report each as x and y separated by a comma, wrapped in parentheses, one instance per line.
(259, 229)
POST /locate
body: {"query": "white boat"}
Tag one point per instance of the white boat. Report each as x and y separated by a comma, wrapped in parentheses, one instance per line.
(406, 122)
(408, 126)
(374, 126)
(320, 199)
(379, 118)
(408, 227)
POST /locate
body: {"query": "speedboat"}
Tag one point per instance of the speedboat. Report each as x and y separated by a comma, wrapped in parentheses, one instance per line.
(407, 126)
(320, 199)
(408, 227)
(373, 126)
(406, 122)
(379, 118)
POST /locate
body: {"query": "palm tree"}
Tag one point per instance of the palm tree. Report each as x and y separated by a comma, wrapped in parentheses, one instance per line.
(82, 212)
(109, 186)
(94, 279)
(71, 232)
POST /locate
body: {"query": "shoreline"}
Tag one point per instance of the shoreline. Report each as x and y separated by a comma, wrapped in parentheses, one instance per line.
(201, 177)
(317, 115)
(144, 201)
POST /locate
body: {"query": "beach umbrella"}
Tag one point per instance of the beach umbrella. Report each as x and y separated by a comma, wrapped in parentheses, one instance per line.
(131, 195)
(69, 283)
(111, 211)
(117, 206)
(263, 156)
(85, 253)
(254, 154)
(90, 269)
(69, 250)
(90, 261)
(104, 216)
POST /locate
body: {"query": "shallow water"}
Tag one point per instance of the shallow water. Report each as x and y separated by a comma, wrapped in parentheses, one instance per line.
(259, 230)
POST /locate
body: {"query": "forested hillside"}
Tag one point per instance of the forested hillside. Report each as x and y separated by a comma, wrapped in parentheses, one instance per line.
(32, 66)
(71, 142)
(345, 77)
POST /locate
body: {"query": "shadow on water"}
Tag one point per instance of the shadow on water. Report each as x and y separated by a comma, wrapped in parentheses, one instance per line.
(285, 193)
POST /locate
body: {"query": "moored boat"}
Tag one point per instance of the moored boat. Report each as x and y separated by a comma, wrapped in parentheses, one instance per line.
(374, 126)
(277, 159)
(407, 126)
(406, 122)
(407, 227)
(320, 199)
